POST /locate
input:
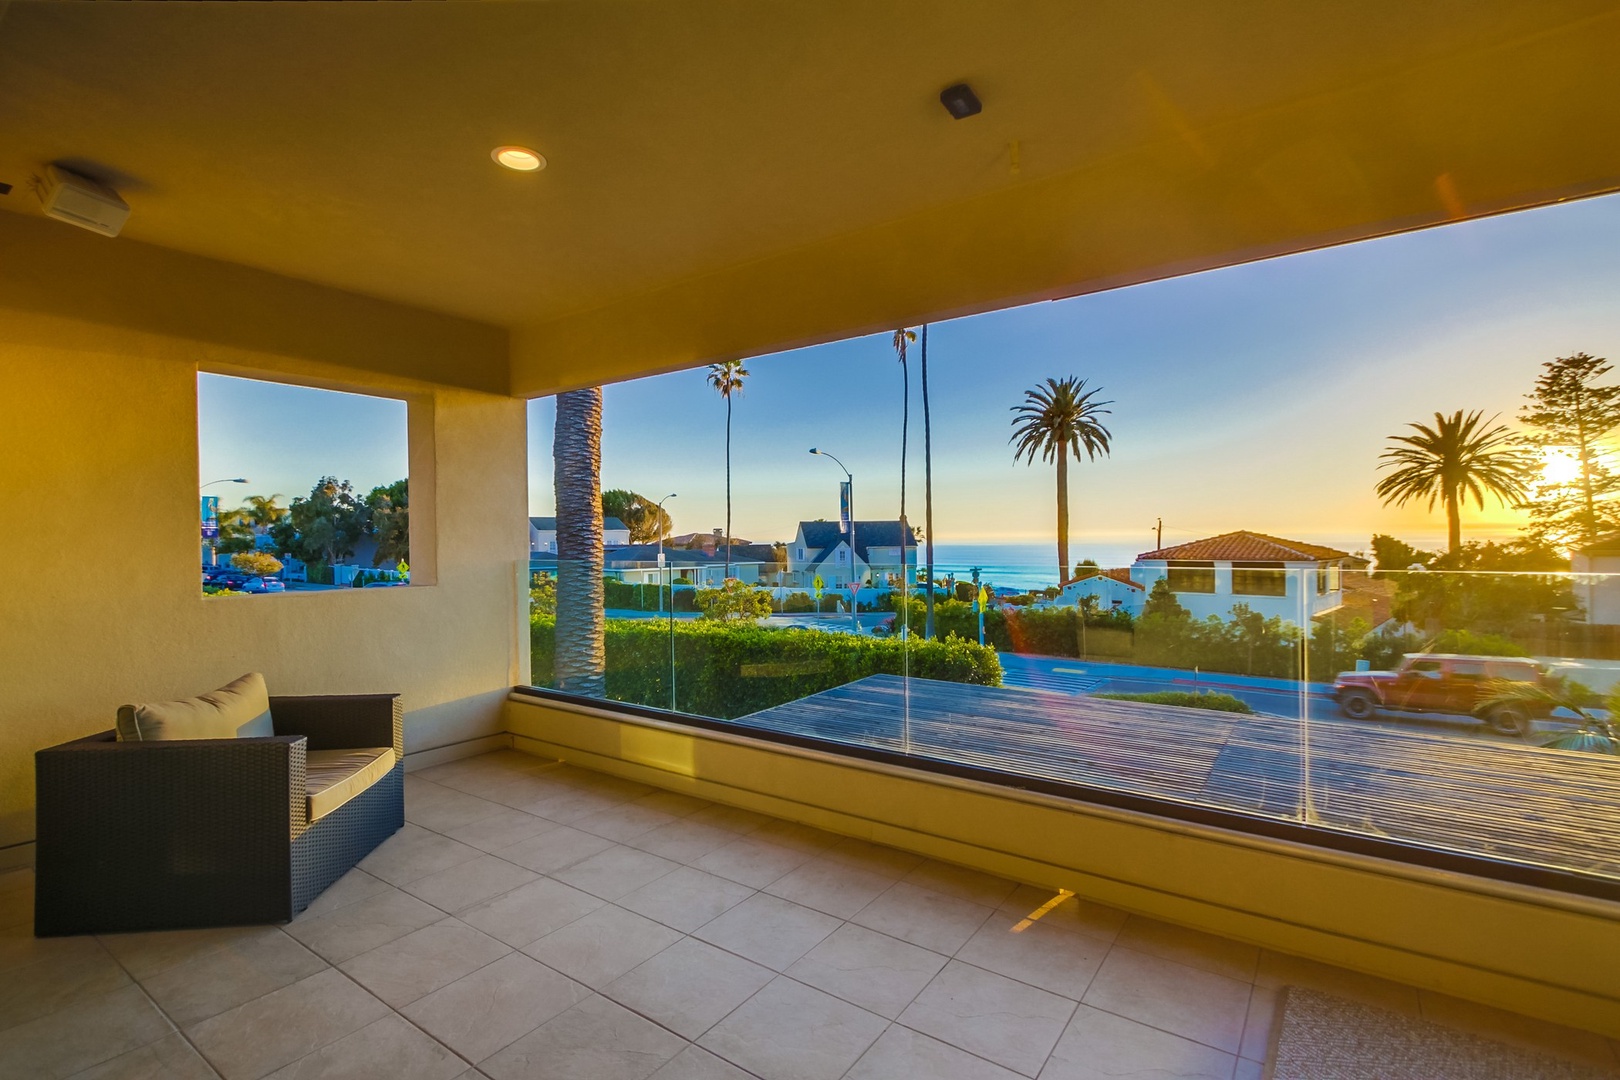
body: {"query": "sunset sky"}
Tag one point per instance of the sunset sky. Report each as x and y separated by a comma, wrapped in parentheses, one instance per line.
(1254, 397)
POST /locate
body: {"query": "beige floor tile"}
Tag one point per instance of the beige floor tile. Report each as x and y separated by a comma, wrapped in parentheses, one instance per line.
(686, 898)
(149, 952)
(615, 872)
(879, 973)
(1071, 913)
(530, 911)
(469, 883)
(594, 1040)
(794, 835)
(83, 1034)
(769, 930)
(1186, 1001)
(1008, 1022)
(672, 802)
(602, 783)
(1192, 947)
(414, 852)
(603, 945)
(19, 947)
(873, 858)
(501, 830)
(1102, 1046)
(902, 1053)
(279, 1028)
(556, 849)
(389, 1048)
(1540, 1036)
(567, 804)
(496, 1005)
(33, 990)
(363, 925)
(689, 986)
(440, 813)
(789, 1031)
(1261, 1020)
(353, 886)
(960, 882)
(1278, 970)
(683, 840)
(623, 823)
(923, 917)
(260, 961)
(833, 887)
(696, 1063)
(733, 819)
(1249, 1070)
(753, 862)
(1051, 959)
(419, 963)
(170, 1058)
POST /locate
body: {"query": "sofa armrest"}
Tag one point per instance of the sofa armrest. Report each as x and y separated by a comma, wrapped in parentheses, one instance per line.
(343, 722)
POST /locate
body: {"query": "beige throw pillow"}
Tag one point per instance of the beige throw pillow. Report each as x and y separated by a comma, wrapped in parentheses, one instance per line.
(237, 710)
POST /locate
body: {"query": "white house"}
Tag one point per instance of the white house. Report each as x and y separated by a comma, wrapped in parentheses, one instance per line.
(1597, 581)
(1290, 579)
(543, 534)
(822, 549)
(1114, 589)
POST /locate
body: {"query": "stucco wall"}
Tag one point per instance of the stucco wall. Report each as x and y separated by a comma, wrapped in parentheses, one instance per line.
(99, 594)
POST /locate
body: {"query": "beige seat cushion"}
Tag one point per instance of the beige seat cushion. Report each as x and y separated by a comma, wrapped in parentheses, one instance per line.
(237, 710)
(336, 776)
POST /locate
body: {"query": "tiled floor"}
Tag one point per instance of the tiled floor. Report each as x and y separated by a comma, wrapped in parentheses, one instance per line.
(538, 921)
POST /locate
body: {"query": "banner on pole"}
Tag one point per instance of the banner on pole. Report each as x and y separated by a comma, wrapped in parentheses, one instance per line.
(210, 517)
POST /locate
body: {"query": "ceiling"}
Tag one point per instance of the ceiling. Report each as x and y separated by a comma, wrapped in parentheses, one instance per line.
(733, 162)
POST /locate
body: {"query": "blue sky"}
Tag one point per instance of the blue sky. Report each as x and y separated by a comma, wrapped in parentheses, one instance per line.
(1256, 397)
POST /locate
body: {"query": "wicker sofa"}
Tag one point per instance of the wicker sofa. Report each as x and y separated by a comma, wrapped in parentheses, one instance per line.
(210, 832)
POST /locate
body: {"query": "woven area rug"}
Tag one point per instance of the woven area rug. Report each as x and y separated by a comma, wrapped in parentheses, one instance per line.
(1322, 1037)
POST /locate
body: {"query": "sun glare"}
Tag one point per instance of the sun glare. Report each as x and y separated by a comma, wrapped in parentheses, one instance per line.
(1559, 466)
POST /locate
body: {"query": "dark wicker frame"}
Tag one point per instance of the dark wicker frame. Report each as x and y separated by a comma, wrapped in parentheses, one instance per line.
(206, 832)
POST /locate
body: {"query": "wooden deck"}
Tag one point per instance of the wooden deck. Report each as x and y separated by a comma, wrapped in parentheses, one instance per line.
(1518, 803)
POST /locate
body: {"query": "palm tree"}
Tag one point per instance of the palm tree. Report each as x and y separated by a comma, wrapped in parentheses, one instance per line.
(928, 495)
(727, 378)
(577, 461)
(1054, 420)
(263, 510)
(1452, 460)
(903, 338)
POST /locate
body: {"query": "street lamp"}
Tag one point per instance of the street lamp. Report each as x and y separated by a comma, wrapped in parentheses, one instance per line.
(854, 593)
(659, 521)
(213, 558)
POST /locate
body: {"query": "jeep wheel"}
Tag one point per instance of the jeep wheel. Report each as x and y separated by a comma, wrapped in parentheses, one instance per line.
(1358, 705)
(1509, 720)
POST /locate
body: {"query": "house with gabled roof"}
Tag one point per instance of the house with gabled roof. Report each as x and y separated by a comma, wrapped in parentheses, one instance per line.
(822, 549)
(543, 534)
(1114, 590)
(1291, 579)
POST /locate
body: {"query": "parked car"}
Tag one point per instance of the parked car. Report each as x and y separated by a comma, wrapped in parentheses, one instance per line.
(263, 585)
(1442, 683)
(226, 579)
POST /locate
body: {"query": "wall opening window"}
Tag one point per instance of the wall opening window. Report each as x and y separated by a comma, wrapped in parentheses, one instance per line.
(300, 489)
(1259, 579)
(1092, 638)
(1191, 577)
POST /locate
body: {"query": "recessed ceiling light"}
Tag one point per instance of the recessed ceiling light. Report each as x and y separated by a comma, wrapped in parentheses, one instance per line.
(960, 101)
(520, 158)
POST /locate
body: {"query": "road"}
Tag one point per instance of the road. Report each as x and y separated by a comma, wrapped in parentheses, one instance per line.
(1273, 697)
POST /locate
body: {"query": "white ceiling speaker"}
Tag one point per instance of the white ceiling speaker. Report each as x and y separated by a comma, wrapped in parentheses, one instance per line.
(79, 200)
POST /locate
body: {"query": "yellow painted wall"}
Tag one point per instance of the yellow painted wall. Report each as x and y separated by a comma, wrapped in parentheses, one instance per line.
(100, 600)
(1516, 948)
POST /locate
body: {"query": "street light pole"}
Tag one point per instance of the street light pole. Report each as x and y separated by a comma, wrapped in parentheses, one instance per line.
(660, 524)
(855, 592)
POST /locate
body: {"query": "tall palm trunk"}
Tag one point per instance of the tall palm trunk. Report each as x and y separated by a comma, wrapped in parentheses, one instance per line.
(577, 458)
(728, 487)
(928, 493)
(1453, 520)
(1063, 513)
(905, 434)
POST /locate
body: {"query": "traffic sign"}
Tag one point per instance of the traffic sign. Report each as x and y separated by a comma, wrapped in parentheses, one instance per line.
(819, 585)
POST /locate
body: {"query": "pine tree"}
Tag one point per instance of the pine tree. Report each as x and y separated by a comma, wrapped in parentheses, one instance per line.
(1571, 413)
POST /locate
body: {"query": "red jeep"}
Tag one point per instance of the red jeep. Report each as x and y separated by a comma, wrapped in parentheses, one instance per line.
(1441, 682)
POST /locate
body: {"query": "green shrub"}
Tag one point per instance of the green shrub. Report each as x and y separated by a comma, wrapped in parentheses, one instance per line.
(1471, 643)
(1185, 699)
(726, 671)
(798, 602)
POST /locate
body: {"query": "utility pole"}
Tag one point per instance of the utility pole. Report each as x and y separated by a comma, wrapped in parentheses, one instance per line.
(1158, 535)
(978, 602)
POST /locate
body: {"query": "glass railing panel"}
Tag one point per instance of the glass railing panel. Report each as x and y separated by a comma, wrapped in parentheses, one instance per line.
(1475, 719)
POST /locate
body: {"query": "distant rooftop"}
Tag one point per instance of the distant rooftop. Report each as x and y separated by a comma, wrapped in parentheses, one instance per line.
(1245, 546)
(549, 524)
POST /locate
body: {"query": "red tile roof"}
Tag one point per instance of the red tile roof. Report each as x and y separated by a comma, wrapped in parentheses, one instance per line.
(1246, 546)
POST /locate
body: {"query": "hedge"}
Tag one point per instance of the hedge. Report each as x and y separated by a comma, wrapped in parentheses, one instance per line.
(1185, 699)
(729, 671)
